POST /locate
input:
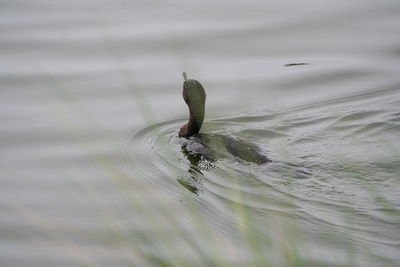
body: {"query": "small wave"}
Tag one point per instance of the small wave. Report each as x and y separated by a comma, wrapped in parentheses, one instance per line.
(326, 165)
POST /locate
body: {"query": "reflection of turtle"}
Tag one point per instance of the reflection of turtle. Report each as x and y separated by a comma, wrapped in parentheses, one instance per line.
(211, 146)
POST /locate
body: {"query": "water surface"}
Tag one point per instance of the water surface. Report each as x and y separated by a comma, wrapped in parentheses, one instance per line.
(92, 172)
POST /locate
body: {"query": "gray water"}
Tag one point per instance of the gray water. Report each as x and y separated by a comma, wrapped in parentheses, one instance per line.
(92, 172)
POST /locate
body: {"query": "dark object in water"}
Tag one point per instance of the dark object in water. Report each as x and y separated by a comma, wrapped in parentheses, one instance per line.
(296, 64)
(214, 146)
(195, 97)
(211, 146)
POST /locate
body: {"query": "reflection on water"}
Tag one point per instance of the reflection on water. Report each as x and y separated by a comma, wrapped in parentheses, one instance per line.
(315, 86)
(326, 169)
(202, 150)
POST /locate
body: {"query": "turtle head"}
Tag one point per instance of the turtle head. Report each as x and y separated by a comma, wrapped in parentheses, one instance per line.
(195, 97)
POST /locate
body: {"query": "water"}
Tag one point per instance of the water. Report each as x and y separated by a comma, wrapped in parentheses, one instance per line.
(93, 173)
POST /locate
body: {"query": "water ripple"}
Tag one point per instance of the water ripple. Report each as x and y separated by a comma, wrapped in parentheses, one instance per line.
(320, 168)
